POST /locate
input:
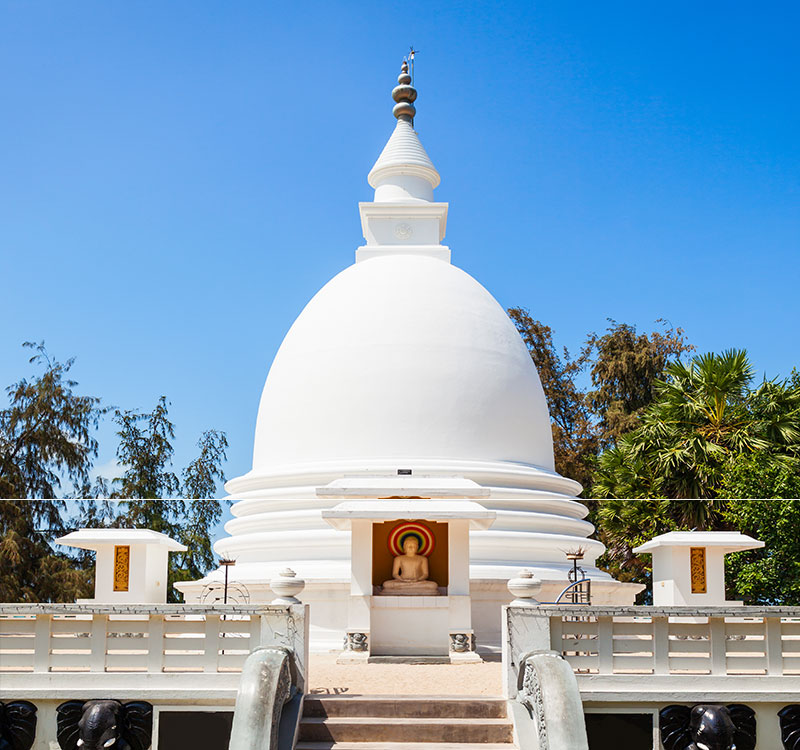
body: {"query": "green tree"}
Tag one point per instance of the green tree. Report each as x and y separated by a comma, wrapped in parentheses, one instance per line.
(148, 486)
(47, 431)
(625, 369)
(145, 450)
(30, 569)
(706, 415)
(204, 512)
(761, 475)
(575, 438)
(625, 470)
(46, 436)
(712, 438)
(625, 524)
(624, 366)
(770, 575)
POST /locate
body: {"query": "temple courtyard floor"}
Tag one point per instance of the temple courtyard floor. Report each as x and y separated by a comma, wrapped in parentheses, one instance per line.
(404, 678)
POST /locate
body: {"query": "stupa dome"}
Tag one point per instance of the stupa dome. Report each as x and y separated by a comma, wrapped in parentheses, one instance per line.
(402, 357)
(404, 378)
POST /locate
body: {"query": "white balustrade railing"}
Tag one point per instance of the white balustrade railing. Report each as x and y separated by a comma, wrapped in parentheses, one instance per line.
(722, 641)
(143, 638)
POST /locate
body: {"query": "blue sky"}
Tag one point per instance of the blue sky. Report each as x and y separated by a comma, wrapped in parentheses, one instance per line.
(179, 178)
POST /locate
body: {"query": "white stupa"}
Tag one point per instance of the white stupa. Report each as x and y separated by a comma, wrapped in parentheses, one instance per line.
(404, 377)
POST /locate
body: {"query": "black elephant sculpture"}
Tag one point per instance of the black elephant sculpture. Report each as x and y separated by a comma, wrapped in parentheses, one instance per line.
(17, 725)
(708, 727)
(98, 724)
(789, 717)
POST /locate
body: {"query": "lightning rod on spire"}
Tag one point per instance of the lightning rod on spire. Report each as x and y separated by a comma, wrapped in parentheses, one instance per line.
(411, 55)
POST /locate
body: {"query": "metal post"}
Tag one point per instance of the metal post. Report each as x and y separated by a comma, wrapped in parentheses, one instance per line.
(226, 564)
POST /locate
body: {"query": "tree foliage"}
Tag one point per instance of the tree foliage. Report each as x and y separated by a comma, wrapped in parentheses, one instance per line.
(148, 487)
(575, 439)
(46, 438)
(30, 570)
(145, 450)
(706, 415)
(665, 443)
(719, 441)
(204, 512)
(624, 366)
(770, 575)
(46, 431)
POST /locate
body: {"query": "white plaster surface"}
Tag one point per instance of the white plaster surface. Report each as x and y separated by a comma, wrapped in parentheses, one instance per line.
(475, 515)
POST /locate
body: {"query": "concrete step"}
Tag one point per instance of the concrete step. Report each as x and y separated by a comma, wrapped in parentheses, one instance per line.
(404, 707)
(400, 746)
(405, 730)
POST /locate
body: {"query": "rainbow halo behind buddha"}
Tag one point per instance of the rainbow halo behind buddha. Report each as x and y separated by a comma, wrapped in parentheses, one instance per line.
(426, 541)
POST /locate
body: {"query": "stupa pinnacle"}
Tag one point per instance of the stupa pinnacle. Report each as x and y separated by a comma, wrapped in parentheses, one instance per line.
(404, 94)
(404, 171)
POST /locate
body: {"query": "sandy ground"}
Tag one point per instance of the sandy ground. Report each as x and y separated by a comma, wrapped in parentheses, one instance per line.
(326, 677)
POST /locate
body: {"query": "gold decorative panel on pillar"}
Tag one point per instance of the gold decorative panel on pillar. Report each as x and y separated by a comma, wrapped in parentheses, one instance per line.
(697, 569)
(122, 567)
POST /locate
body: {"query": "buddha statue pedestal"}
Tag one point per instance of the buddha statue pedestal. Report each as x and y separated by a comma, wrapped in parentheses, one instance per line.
(409, 588)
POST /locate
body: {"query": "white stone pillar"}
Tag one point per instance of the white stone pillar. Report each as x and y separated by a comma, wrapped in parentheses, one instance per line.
(458, 554)
(462, 637)
(358, 617)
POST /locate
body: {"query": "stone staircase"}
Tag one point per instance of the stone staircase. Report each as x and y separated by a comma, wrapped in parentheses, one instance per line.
(413, 723)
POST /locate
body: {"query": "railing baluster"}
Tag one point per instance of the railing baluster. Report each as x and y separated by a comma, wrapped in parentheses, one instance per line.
(255, 631)
(557, 633)
(773, 645)
(605, 644)
(97, 642)
(717, 645)
(211, 661)
(155, 644)
(41, 643)
(660, 645)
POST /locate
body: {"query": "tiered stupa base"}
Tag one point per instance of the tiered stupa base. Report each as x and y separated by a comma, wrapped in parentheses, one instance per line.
(278, 524)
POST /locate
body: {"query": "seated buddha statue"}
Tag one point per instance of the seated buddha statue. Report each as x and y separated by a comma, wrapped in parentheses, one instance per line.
(410, 573)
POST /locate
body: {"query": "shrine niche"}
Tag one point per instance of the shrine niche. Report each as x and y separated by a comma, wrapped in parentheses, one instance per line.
(389, 542)
(409, 576)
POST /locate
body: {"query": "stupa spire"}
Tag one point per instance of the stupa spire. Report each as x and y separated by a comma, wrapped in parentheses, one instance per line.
(404, 171)
(404, 94)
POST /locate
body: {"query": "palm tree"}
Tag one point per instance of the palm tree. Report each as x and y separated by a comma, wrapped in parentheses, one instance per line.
(707, 423)
(706, 414)
(701, 418)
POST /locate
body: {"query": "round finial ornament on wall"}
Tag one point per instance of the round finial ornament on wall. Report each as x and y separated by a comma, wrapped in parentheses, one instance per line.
(524, 588)
(426, 541)
(287, 586)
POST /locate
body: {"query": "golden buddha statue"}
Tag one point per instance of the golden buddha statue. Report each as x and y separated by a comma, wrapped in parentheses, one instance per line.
(410, 573)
